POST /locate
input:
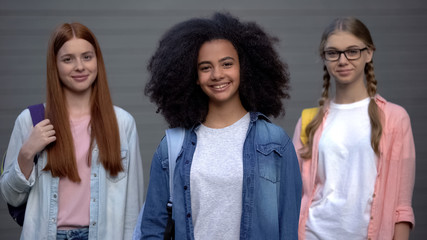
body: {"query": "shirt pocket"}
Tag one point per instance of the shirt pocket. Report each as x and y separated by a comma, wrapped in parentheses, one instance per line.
(269, 160)
(121, 175)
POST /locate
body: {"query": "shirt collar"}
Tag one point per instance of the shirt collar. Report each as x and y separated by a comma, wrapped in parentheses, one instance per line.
(257, 115)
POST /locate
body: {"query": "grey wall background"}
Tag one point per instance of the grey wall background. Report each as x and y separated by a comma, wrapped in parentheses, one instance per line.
(129, 32)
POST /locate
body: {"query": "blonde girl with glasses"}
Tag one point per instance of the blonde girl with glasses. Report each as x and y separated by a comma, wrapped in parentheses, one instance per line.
(357, 154)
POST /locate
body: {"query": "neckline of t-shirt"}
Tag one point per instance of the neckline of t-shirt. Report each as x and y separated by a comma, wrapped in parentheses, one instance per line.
(246, 116)
(80, 120)
(357, 104)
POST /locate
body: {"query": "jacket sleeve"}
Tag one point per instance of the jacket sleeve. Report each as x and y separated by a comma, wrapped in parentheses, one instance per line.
(405, 148)
(135, 185)
(291, 192)
(154, 218)
(14, 186)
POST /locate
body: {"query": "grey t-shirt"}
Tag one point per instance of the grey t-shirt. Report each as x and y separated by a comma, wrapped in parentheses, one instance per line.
(216, 180)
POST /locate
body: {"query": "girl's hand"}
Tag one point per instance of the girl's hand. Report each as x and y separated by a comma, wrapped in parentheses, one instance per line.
(41, 135)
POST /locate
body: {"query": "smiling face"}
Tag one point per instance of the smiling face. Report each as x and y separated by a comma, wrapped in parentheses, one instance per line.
(77, 66)
(218, 71)
(344, 71)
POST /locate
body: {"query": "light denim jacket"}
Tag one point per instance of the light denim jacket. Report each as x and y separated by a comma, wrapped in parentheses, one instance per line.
(115, 201)
(271, 186)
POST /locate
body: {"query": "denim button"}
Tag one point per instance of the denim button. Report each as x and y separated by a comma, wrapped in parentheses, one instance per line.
(185, 187)
(187, 162)
(188, 215)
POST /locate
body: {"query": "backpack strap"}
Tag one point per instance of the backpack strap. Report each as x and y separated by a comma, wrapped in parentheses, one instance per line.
(37, 113)
(307, 116)
(2, 163)
(175, 139)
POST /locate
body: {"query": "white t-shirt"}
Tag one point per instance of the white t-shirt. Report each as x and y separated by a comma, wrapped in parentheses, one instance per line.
(346, 174)
(216, 180)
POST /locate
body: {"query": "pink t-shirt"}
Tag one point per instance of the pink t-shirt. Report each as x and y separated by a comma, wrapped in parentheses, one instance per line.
(74, 198)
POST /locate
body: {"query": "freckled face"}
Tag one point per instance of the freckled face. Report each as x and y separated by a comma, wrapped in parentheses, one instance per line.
(218, 71)
(77, 66)
(346, 71)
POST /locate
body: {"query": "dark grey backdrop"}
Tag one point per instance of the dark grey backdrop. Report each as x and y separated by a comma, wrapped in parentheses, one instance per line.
(129, 31)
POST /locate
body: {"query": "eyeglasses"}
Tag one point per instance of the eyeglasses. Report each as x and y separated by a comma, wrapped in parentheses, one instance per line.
(350, 54)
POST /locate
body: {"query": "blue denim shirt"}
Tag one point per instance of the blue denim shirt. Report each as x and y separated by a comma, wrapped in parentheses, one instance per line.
(271, 186)
(115, 201)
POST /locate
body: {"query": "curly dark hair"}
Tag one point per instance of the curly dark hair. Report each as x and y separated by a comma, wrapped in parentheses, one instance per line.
(264, 78)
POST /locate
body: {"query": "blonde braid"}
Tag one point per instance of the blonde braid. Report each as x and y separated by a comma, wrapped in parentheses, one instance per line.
(326, 83)
(370, 79)
(373, 110)
(317, 120)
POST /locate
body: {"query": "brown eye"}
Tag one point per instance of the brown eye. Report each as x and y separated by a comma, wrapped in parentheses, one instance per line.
(352, 52)
(204, 68)
(66, 60)
(227, 64)
(87, 57)
(331, 54)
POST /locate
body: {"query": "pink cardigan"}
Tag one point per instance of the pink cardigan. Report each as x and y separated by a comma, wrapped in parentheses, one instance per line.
(396, 173)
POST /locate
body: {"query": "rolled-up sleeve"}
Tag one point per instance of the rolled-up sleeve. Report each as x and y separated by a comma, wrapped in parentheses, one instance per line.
(405, 148)
(14, 186)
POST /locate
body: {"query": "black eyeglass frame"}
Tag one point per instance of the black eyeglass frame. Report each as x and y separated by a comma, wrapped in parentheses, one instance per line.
(341, 52)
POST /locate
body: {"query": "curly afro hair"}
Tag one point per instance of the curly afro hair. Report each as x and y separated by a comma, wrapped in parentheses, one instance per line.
(264, 77)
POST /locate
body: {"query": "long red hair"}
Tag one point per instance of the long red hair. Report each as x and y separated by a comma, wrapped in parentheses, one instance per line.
(61, 160)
